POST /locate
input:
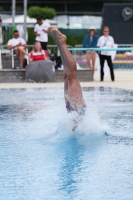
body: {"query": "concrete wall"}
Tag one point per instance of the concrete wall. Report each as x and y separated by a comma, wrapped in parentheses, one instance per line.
(18, 76)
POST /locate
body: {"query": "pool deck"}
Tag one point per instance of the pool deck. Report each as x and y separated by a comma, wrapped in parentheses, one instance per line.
(123, 79)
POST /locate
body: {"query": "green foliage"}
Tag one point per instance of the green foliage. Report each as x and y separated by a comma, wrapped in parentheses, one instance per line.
(44, 13)
(31, 36)
(71, 39)
(74, 36)
(74, 40)
(7, 35)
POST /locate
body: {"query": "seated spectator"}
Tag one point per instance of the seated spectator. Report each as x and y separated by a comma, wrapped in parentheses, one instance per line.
(37, 53)
(18, 46)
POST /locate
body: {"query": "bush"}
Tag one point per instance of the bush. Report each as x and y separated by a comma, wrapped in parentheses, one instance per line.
(74, 40)
(44, 13)
(71, 39)
(74, 36)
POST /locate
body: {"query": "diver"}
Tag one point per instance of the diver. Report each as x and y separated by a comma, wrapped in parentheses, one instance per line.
(72, 90)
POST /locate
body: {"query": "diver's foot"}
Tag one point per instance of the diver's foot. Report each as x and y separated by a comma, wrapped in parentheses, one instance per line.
(57, 35)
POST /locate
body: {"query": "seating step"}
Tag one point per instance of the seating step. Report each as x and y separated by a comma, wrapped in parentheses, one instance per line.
(7, 61)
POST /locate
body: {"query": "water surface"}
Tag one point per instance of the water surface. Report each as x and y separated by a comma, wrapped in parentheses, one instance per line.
(41, 158)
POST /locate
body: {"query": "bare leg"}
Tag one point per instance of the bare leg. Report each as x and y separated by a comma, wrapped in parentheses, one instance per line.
(65, 81)
(21, 52)
(21, 59)
(93, 61)
(88, 58)
(72, 86)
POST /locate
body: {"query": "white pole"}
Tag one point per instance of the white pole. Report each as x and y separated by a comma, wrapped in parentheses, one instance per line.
(12, 58)
(13, 12)
(25, 15)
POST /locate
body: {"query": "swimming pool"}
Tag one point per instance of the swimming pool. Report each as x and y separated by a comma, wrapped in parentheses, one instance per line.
(41, 158)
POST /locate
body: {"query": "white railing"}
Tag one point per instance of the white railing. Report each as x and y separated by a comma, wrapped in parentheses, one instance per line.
(4, 50)
(123, 58)
(51, 48)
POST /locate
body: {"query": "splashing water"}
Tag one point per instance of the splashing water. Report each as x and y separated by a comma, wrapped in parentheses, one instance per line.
(42, 158)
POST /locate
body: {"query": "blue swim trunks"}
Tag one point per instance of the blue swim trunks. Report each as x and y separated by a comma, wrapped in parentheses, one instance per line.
(79, 111)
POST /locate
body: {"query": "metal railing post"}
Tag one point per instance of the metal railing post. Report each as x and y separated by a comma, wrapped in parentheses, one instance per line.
(12, 59)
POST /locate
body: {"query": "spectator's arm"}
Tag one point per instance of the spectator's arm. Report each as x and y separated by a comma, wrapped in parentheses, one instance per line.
(46, 56)
(12, 47)
(36, 34)
(95, 41)
(45, 31)
(98, 43)
(35, 31)
(9, 47)
(24, 45)
(113, 42)
(46, 27)
(30, 56)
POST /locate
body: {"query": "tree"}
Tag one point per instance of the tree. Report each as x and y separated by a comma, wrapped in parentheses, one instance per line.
(44, 13)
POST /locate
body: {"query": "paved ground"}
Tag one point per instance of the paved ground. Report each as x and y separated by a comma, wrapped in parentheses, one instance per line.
(123, 79)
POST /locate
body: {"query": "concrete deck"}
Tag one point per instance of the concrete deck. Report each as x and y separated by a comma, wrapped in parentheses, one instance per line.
(123, 79)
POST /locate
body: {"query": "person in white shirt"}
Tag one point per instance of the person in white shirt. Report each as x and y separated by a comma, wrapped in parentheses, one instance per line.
(106, 41)
(18, 46)
(41, 32)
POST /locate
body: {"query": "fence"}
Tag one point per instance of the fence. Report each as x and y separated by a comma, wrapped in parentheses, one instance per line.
(9, 57)
(123, 58)
(51, 48)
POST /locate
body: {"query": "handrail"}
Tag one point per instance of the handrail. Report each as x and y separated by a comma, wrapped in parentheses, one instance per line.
(126, 45)
(102, 49)
(31, 45)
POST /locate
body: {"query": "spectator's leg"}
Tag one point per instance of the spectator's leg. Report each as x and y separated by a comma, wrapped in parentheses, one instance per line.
(21, 52)
(74, 91)
(102, 60)
(109, 61)
(21, 59)
(93, 60)
(44, 47)
(88, 58)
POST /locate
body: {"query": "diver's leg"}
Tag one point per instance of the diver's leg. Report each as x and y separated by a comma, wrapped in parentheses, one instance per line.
(65, 74)
(74, 90)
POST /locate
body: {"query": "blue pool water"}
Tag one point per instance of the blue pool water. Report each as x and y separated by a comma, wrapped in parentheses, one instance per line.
(42, 159)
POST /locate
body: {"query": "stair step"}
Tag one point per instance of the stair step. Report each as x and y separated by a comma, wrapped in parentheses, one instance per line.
(7, 61)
